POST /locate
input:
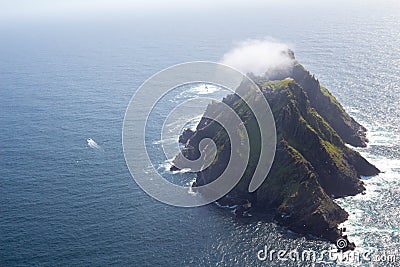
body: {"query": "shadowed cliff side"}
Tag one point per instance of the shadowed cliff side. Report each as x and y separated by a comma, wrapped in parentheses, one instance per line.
(312, 164)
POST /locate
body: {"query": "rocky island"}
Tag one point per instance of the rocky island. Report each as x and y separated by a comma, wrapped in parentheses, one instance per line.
(312, 164)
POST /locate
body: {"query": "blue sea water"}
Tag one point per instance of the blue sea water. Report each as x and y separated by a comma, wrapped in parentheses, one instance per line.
(65, 203)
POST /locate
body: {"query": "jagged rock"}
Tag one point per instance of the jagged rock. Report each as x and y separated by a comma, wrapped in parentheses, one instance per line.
(185, 136)
(311, 161)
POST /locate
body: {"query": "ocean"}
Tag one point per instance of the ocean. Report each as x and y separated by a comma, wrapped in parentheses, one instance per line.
(63, 202)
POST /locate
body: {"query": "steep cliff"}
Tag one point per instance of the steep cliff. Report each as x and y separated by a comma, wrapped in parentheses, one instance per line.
(312, 164)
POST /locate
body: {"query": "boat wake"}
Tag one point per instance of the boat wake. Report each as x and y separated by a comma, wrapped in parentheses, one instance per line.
(92, 144)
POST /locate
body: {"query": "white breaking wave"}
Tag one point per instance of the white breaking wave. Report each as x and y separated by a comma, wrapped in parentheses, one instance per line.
(201, 89)
(204, 89)
(185, 170)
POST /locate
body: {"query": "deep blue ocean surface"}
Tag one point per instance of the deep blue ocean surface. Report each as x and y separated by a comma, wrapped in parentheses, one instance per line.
(63, 202)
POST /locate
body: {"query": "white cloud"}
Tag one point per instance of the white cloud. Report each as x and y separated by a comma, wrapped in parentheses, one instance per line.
(259, 57)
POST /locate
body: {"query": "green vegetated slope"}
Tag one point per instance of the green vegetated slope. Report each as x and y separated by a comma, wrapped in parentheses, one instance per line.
(312, 164)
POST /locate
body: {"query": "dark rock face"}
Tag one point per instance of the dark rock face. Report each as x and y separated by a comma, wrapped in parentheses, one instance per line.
(185, 136)
(330, 109)
(312, 163)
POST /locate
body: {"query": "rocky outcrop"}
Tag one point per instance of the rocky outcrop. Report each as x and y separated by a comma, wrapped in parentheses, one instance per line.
(330, 109)
(312, 164)
(185, 136)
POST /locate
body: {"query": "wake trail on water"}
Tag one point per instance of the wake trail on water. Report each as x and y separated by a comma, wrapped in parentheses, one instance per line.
(92, 144)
